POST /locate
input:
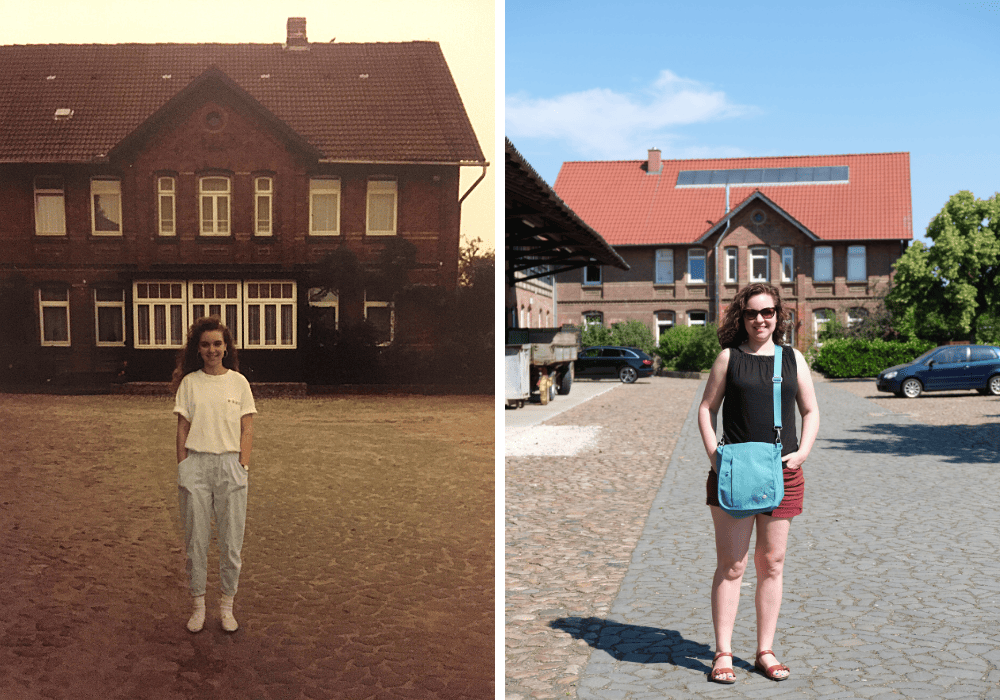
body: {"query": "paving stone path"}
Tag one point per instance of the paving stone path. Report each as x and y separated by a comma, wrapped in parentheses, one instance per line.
(891, 580)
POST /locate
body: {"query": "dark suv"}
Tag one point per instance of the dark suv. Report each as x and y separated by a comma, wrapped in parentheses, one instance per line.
(945, 368)
(628, 364)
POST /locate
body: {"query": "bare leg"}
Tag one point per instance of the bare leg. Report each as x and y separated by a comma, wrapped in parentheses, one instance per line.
(769, 559)
(732, 544)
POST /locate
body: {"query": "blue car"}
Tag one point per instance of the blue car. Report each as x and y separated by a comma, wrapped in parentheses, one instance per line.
(945, 368)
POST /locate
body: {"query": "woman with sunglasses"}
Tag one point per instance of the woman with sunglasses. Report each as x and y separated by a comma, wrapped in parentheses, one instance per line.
(742, 375)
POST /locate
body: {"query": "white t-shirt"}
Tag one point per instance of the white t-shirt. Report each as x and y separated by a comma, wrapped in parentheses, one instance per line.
(214, 405)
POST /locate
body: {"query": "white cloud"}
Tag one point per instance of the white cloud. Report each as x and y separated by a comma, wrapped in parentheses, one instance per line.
(604, 124)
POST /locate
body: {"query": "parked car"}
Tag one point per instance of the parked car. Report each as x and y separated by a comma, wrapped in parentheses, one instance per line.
(628, 364)
(946, 368)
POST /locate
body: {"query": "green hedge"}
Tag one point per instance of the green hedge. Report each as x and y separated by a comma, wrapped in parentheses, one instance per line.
(689, 348)
(858, 357)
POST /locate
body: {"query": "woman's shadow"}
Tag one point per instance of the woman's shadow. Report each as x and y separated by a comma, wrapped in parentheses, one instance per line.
(641, 645)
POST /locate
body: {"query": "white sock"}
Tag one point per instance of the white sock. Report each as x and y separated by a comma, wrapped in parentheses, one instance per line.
(229, 623)
(197, 620)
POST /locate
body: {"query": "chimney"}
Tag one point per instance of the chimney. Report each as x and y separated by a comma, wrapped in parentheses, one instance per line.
(297, 40)
(654, 166)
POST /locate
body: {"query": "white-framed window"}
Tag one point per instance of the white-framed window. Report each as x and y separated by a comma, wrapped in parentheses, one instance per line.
(381, 215)
(664, 322)
(760, 264)
(219, 298)
(664, 266)
(50, 207)
(696, 265)
(166, 196)
(263, 190)
(325, 307)
(214, 195)
(324, 207)
(732, 263)
(381, 316)
(592, 274)
(823, 263)
(856, 315)
(697, 318)
(856, 264)
(159, 311)
(820, 318)
(270, 314)
(109, 317)
(790, 333)
(106, 207)
(593, 318)
(53, 317)
(787, 264)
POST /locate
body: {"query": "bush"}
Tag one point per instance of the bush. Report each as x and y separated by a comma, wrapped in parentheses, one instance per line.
(595, 334)
(633, 334)
(689, 348)
(859, 357)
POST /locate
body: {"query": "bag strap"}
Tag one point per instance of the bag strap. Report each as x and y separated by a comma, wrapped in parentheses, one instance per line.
(776, 383)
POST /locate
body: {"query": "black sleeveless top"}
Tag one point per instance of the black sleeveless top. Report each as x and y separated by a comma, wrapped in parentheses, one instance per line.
(747, 409)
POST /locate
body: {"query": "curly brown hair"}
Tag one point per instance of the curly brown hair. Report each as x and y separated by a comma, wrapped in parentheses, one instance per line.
(188, 359)
(732, 331)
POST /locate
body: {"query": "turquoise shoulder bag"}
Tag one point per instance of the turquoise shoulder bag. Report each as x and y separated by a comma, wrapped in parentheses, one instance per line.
(750, 473)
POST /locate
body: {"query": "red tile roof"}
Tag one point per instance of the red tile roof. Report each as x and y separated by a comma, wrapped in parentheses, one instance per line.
(386, 102)
(628, 207)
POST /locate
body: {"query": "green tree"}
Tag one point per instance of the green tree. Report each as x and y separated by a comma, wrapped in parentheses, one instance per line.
(950, 290)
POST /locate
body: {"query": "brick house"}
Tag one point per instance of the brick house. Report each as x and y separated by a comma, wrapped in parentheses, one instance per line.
(146, 185)
(824, 229)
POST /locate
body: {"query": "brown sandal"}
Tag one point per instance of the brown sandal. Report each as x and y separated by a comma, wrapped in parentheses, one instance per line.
(717, 674)
(769, 671)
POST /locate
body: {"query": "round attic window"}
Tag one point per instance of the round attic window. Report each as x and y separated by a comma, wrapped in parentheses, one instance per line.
(214, 121)
(758, 217)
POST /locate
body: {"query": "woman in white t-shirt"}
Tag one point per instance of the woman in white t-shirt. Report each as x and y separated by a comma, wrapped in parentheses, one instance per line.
(214, 408)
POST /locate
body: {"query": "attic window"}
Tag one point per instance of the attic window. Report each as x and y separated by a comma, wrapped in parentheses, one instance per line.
(63, 113)
(214, 121)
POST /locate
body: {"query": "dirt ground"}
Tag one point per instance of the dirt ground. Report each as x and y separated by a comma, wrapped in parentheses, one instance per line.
(368, 557)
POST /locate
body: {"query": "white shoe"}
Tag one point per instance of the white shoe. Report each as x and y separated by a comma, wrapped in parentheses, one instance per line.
(197, 621)
(229, 623)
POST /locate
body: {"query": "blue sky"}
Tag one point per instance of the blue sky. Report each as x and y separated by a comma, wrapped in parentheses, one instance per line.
(587, 80)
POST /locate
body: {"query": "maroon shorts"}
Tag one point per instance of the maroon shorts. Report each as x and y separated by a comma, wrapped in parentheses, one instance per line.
(791, 504)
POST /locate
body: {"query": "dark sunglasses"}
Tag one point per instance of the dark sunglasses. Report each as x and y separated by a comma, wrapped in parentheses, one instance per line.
(751, 314)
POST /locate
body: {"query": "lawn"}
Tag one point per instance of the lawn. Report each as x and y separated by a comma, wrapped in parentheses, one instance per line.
(368, 559)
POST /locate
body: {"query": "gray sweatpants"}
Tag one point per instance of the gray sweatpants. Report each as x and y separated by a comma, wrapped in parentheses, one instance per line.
(210, 484)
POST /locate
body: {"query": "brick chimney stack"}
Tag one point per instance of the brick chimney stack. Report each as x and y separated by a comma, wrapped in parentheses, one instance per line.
(296, 34)
(654, 166)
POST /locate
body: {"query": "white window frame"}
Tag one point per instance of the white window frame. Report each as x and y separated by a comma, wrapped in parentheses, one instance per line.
(111, 189)
(166, 205)
(787, 264)
(600, 275)
(663, 325)
(170, 300)
(256, 308)
(819, 321)
(760, 253)
(700, 322)
(323, 187)
(380, 189)
(329, 300)
(693, 255)
(263, 188)
(822, 255)
(593, 318)
(664, 273)
(790, 313)
(857, 264)
(45, 190)
(853, 317)
(204, 299)
(218, 222)
(44, 304)
(392, 316)
(732, 265)
(119, 304)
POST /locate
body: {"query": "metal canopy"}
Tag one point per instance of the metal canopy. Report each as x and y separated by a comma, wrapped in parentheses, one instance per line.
(542, 232)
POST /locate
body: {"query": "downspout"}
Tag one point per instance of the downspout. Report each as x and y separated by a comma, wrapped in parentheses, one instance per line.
(715, 259)
(469, 191)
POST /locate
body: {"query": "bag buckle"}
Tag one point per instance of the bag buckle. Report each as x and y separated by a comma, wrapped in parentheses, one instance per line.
(776, 380)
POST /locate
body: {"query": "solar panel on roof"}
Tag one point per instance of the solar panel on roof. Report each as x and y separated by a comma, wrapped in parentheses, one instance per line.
(762, 176)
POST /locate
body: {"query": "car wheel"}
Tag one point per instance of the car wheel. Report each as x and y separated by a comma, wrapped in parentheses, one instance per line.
(628, 374)
(911, 388)
(565, 383)
(993, 386)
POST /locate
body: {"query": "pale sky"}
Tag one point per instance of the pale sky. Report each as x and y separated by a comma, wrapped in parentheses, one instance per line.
(465, 29)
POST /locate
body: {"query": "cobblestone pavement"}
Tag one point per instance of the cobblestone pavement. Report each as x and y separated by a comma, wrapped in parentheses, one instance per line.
(890, 583)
